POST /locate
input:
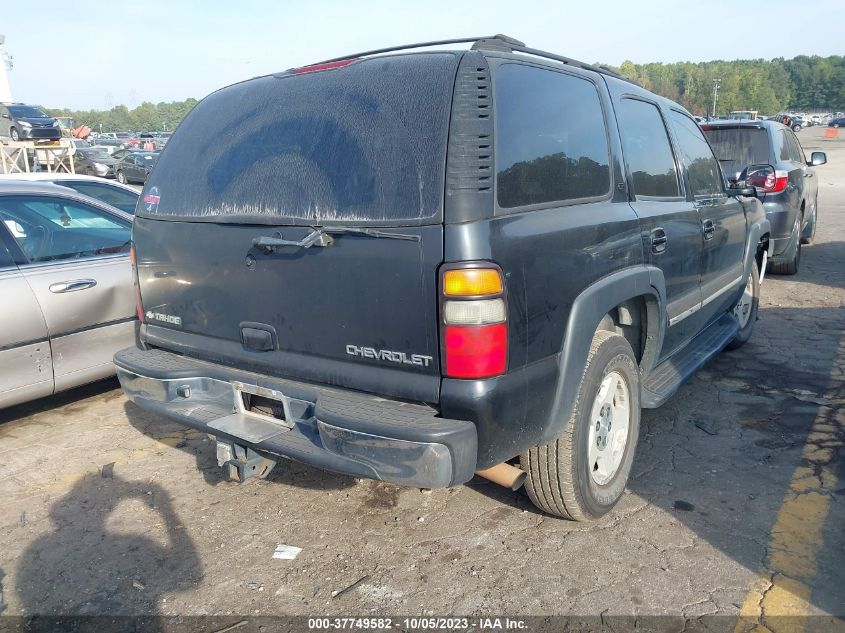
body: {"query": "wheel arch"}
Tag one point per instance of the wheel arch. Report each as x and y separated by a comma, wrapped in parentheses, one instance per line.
(590, 309)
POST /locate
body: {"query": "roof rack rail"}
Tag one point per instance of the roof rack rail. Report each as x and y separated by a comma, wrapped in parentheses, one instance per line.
(496, 42)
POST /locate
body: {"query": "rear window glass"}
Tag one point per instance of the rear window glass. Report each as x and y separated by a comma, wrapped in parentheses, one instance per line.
(366, 142)
(551, 143)
(737, 148)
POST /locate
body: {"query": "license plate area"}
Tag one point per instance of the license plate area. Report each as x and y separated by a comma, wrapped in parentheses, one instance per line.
(269, 405)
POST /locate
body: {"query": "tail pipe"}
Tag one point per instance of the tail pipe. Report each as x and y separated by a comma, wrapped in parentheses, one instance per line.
(504, 475)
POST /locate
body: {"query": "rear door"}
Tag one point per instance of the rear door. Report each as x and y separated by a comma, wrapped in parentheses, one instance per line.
(671, 230)
(361, 146)
(77, 266)
(722, 218)
(26, 370)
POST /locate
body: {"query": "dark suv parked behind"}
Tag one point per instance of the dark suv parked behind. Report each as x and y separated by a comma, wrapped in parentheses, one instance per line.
(789, 196)
(416, 266)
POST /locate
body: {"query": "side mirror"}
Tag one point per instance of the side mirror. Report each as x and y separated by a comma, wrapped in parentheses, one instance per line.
(754, 177)
(817, 158)
(5, 116)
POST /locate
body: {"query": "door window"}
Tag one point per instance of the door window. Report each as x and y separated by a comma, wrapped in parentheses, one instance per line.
(648, 153)
(51, 229)
(796, 154)
(703, 172)
(115, 196)
(551, 140)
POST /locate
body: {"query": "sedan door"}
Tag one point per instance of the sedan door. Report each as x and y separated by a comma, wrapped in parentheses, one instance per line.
(77, 266)
(26, 370)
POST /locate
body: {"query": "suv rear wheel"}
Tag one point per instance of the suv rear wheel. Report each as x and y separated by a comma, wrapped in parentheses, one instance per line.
(792, 259)
(582, 474)
(809, 233)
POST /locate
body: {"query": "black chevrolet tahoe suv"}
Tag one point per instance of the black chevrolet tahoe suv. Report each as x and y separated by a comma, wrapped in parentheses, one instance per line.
(416, 266)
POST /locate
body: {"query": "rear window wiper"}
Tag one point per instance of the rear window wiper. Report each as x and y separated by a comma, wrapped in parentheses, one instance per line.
(322, 236)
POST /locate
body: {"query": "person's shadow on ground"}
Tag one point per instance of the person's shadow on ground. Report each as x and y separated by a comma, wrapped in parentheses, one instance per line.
(82, 568)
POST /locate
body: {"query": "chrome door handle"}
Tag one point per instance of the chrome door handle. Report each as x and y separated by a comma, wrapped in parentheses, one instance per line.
(709, 229)
(659, 240)
(72, 285)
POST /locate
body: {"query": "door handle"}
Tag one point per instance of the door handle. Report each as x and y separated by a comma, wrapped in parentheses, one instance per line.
(73, 285)
(659, 241)
(709, 229)
(808, 174)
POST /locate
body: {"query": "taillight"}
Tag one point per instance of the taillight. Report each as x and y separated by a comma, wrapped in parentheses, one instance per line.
(314, 68)
(769, 181)
(474, 313)
(139, 309)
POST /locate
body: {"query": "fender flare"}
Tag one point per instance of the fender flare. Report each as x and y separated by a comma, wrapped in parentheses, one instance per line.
(588, 309)
(755, 232)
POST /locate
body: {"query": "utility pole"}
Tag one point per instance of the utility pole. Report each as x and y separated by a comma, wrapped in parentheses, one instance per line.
(716, 83)
(5, 66)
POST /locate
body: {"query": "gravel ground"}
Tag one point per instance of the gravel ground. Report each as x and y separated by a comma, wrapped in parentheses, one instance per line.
(735, 507)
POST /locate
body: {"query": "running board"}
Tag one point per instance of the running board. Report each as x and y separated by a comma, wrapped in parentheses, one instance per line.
(665, 379)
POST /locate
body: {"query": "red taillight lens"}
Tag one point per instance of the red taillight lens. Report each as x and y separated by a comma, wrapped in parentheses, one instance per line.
(318, 67)
(474, 313)
(768, 180)
(476, 351)
(780, 184)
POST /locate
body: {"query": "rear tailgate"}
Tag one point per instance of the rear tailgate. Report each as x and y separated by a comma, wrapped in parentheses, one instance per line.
(360, 313)
(362, 146)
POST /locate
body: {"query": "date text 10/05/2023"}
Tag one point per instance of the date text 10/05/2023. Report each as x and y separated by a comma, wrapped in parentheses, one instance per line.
(416, 624)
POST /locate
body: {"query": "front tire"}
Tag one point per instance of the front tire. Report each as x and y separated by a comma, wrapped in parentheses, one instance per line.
(582, 474)
(13, 134)
(745, 310)
(121, 177)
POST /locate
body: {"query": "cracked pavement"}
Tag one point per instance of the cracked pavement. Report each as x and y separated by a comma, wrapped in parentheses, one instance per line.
(735, 506)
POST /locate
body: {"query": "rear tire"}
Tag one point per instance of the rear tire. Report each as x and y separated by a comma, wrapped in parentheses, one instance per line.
(582, 474)
(745, 309)
(809, 233)
(792, 259)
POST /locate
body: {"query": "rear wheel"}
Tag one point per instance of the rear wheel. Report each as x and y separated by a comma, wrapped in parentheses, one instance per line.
(582, 474)
(745, 309)
(809, 233)
(13, 134)
(792, 258)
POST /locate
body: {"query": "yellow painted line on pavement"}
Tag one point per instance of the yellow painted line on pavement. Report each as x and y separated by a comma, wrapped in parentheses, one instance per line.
(779, 600)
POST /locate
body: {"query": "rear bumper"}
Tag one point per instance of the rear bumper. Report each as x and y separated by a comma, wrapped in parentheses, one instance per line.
(343, 431)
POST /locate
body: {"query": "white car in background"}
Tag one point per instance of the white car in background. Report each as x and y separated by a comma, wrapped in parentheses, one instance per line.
(112, 193)
(67, 280)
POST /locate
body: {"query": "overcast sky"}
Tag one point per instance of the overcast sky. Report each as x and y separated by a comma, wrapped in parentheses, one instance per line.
(96, 54)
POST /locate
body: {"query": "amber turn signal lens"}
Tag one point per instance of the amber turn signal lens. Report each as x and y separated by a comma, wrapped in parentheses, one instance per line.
(472, 282)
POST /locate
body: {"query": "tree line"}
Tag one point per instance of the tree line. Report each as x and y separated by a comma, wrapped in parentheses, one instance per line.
(147, 117)
(768, 86)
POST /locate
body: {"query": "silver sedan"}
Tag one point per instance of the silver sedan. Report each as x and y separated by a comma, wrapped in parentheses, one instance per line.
(66, 287)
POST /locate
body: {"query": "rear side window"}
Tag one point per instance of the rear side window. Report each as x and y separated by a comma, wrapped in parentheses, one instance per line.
(551, 141)
(703, 171)
(366, 142)
(647, 149)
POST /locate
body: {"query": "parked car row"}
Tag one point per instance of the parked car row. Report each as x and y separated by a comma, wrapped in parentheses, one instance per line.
(545, 283)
